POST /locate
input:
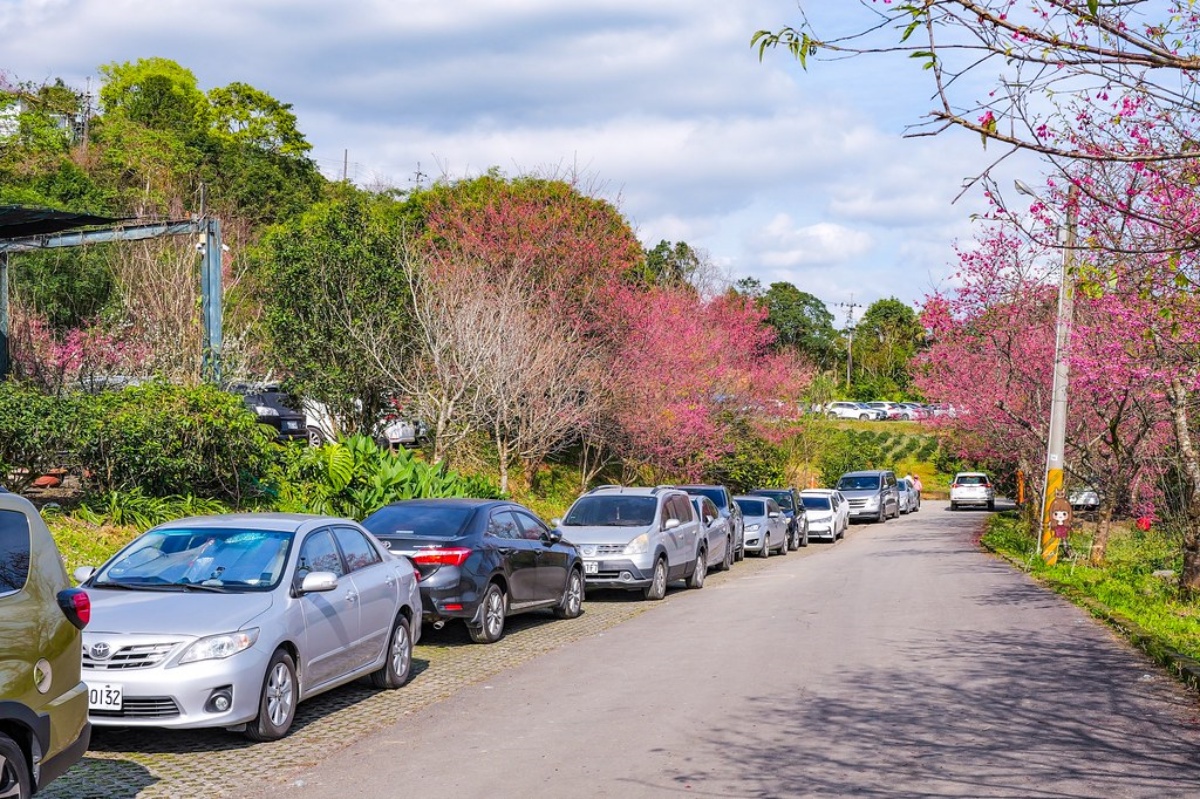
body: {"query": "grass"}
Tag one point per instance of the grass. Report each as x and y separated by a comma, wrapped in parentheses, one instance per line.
(84, 544)
(1125, 589)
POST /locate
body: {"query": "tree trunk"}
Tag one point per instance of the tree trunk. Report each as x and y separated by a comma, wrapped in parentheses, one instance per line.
(1103, 527)
(1189, 579)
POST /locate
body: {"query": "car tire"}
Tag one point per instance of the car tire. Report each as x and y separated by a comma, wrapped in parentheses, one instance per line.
(804, 539)
(727, 561)
(315, 437)
(571, 605)
(953, 506)
(787, 542)
(277, 702)
(15, 779)
(765, 552)
(495, 611)
(658, 582)
(740, 554)
(864, 416)
(881, 517)
(700, 572)
(992, 505)
(793, 540)
(396, 669)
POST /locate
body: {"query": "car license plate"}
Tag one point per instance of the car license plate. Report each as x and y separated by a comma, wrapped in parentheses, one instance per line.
(591, 567)
(104, 697)
(291, 425)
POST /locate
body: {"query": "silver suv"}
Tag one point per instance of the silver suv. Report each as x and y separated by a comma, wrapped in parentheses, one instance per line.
(872, 495)
(637, 538)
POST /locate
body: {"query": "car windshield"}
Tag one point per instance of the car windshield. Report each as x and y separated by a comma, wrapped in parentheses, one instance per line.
(230, 559)
(752, 507)
(716, 494)
(858, 482)
(816, 503)
(784, 498)
(611, 510)
(435, 521)
(971, 480)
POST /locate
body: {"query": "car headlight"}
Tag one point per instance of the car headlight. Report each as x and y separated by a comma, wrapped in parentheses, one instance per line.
(217, 647)
(638, 546)
(752, 528)
(872, 502)
(265, 410)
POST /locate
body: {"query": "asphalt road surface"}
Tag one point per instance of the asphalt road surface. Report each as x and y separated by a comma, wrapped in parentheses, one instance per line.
(900, 662)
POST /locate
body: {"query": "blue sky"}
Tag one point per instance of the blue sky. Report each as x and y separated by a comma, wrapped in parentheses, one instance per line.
(661, 107)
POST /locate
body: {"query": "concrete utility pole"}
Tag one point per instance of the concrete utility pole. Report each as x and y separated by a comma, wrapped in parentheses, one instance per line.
(1057, 433)
(849, 306)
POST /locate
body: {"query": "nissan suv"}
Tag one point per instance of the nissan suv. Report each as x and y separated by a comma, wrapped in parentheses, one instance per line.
(872, 495)
(44, 726)
(637, 539)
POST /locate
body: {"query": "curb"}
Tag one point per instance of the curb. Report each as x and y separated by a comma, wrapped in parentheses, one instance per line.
(1180, 666)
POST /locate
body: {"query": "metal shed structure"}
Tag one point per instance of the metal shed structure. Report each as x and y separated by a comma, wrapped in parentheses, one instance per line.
(26, 229)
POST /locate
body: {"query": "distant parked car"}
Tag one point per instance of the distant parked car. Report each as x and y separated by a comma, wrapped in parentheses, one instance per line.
(853, 410)
(914, 411)
(482, 560)
(637, 538)
(766, 526)
(276, 408)
(1085, 499)
(891, 410)
(972, 488)
(721, 497)
(871, 494)
(827, 511)
(44, 727)
(390, 430)
(789, 502)
(232, 620)
(715, 531)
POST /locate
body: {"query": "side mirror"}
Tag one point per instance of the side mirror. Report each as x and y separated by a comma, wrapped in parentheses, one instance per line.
(83, 573)
(774, 514)
(670, 524)
(318, 582)
(552, 537)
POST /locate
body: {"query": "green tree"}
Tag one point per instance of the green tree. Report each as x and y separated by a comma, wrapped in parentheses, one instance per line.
(802, 323)
(674, 265)
(156, 93)
(320, 276)
(246, 115)
(885, 341)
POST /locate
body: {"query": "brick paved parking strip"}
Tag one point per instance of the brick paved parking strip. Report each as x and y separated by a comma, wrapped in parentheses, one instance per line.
(153, 763)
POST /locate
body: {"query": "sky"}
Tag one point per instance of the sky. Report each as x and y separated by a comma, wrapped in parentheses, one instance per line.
(661, 107)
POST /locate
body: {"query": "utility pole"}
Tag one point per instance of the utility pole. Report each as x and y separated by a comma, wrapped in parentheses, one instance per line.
(849, 306)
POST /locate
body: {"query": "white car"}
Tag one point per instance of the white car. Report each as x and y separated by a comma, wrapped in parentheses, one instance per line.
(972, 488)
(853, 410)
(827, 511)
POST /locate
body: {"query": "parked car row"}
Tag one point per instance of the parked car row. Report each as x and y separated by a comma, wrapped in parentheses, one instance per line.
(879, 411)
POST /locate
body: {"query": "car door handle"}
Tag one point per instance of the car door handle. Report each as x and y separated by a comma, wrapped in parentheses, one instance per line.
(351, 596)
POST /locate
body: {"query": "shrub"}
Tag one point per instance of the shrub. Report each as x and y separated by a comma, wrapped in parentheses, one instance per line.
(753, 463)
(846, 453)
(168, 440)
(34, 431)
(355, 476)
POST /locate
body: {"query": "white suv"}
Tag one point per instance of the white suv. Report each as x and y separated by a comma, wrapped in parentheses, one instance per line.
(638, 539)
(972, 488)
(853, 410)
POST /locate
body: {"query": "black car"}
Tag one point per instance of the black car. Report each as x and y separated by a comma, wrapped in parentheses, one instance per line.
(482, 560)
(728, 508)
(275, 407)
(788, 500)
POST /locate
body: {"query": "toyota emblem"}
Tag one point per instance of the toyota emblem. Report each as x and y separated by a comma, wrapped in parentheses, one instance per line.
(101, 651)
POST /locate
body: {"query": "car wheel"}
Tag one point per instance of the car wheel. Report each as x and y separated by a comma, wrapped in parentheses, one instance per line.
(804, 538)
(881, 516)
(793, 540)
(315, 437)
(571, 606)
(277, 704)
(991, 504)
(727, 561)
(658, 581)
(740, 554)
(394, 672)
(783, 547)
(701, 570)
(15, 780)
(765, 552)
(864, 416)
(495, 608)
(953, 506)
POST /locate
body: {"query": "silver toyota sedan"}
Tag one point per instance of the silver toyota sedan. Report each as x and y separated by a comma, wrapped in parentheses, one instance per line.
(231, 621)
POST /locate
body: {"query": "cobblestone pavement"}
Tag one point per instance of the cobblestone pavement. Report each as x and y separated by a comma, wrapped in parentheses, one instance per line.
(153, 763)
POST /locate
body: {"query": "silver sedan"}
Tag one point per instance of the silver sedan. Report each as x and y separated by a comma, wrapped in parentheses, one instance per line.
(231, 621)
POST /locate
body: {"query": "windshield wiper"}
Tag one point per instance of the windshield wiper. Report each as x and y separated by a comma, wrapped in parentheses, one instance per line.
(132, 586)
(216, 589)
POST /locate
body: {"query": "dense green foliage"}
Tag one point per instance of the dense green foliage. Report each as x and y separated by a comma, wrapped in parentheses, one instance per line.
(753, 462)
(34, 429)
(168, 440)
(355, 477)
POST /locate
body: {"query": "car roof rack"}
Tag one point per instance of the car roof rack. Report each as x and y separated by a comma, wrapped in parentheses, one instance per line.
(607, 486)
(658, 488)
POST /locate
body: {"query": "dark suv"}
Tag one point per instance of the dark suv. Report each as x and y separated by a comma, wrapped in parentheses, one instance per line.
(274, 407)
(44, 726)
(789, 502)
(729, 509)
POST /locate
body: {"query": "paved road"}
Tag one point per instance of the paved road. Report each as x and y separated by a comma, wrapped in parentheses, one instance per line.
(901, 662)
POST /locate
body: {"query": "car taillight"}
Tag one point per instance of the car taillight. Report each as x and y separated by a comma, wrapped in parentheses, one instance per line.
(448, 556)
(76, 605)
